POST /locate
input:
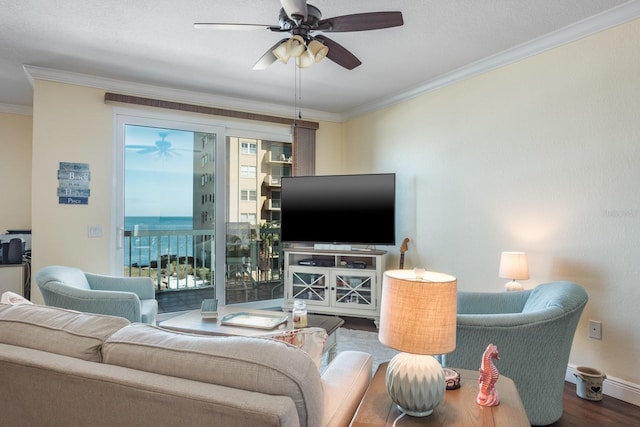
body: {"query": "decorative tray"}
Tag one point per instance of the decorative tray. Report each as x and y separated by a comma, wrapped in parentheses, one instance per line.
(250, 320)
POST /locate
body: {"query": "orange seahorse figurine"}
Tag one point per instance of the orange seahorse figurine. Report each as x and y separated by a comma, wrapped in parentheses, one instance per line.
(488, 395)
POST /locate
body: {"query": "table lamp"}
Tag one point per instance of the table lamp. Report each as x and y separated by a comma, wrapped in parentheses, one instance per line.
(513, 265)
(418, 318)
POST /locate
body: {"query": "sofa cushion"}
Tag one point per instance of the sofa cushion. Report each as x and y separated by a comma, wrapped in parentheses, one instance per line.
(262, 365)
(57, 330)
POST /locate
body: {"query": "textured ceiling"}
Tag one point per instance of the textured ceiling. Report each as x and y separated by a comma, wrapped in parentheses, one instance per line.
(154, 42)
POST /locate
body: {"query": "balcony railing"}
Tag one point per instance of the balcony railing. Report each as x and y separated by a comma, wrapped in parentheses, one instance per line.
(280, 155)
(183, 259)
(175, 259)
(273, 180)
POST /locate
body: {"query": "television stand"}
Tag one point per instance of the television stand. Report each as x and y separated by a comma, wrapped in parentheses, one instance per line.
(338, 282)
(331, 247)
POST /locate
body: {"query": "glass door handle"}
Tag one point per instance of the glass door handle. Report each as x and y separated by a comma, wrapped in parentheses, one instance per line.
(119, 238)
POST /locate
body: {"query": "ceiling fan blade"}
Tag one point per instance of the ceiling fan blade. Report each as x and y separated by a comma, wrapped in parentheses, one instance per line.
(361, 22)
(295, 9)
(338, 54)
(223, 26)
(147, 150)
(136, 147)
(268, 58)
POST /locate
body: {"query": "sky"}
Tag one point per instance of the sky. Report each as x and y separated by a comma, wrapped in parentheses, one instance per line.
(158, 182)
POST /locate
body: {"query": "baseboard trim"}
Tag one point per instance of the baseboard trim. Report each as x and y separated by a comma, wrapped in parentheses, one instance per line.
(611, 386)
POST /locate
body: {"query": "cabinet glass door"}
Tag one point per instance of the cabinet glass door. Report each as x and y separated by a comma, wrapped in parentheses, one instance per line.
(354, 289)
(311, 287)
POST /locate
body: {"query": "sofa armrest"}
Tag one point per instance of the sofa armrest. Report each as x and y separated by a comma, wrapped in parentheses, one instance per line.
(344, 383)
(141, 286)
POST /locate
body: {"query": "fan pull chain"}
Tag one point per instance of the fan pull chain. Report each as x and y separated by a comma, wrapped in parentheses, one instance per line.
(299, 71)
(297, 94)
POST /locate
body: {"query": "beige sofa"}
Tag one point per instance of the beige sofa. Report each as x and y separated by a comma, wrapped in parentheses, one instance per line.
(61, 367)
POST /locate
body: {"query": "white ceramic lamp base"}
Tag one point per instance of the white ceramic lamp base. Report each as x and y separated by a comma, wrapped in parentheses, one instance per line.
(415, 383)
(513, 286)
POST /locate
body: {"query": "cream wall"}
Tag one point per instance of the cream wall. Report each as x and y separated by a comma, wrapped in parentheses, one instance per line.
(15, 171)
(73, 124)
(70, 124)
(541, 156)
(329, 149)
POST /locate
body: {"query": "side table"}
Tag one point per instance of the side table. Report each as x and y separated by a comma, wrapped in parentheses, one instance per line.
(458, 408)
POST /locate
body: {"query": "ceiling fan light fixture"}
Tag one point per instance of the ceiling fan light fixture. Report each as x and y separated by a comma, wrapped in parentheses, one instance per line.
(282, 52)
(317, 50)
(305, 60)
(295, 46)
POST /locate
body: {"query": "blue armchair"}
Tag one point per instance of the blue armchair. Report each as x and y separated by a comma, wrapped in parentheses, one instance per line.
(533, 331)
(129, 297)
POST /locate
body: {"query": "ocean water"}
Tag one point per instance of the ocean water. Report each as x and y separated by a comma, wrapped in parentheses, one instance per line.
(145, 249)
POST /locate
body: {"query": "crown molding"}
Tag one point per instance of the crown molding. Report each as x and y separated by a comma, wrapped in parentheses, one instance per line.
(24, 110)
(611, 18)
(168, 93)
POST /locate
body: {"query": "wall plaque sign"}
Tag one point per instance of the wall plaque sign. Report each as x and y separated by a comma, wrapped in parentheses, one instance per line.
(73, 183)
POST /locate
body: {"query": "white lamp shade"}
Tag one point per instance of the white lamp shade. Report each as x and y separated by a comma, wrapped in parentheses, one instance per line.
(418, 316)
(514, 266)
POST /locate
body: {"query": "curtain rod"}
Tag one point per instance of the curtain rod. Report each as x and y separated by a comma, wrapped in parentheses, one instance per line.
(157, 103)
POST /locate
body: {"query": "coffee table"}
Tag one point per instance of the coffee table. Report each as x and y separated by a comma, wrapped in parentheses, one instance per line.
(193, 322)
(458, 408)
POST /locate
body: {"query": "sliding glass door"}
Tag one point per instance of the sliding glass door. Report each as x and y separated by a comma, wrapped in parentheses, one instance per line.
(198, 210)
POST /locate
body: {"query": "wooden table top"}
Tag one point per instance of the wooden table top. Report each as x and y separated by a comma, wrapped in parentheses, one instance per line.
(458, 408)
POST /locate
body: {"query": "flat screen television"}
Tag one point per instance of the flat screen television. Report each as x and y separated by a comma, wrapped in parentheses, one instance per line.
(339, 209)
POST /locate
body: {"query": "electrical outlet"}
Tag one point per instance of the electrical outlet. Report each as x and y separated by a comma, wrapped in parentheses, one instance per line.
(595, 329)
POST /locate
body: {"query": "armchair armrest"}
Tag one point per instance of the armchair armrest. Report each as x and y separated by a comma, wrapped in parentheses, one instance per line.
(344, 383)
(141, 286)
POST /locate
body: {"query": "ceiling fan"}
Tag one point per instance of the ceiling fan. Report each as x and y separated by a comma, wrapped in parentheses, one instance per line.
(303, 20)
(161, 147)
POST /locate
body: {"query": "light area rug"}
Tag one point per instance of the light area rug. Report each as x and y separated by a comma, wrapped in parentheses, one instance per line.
(366, 341)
